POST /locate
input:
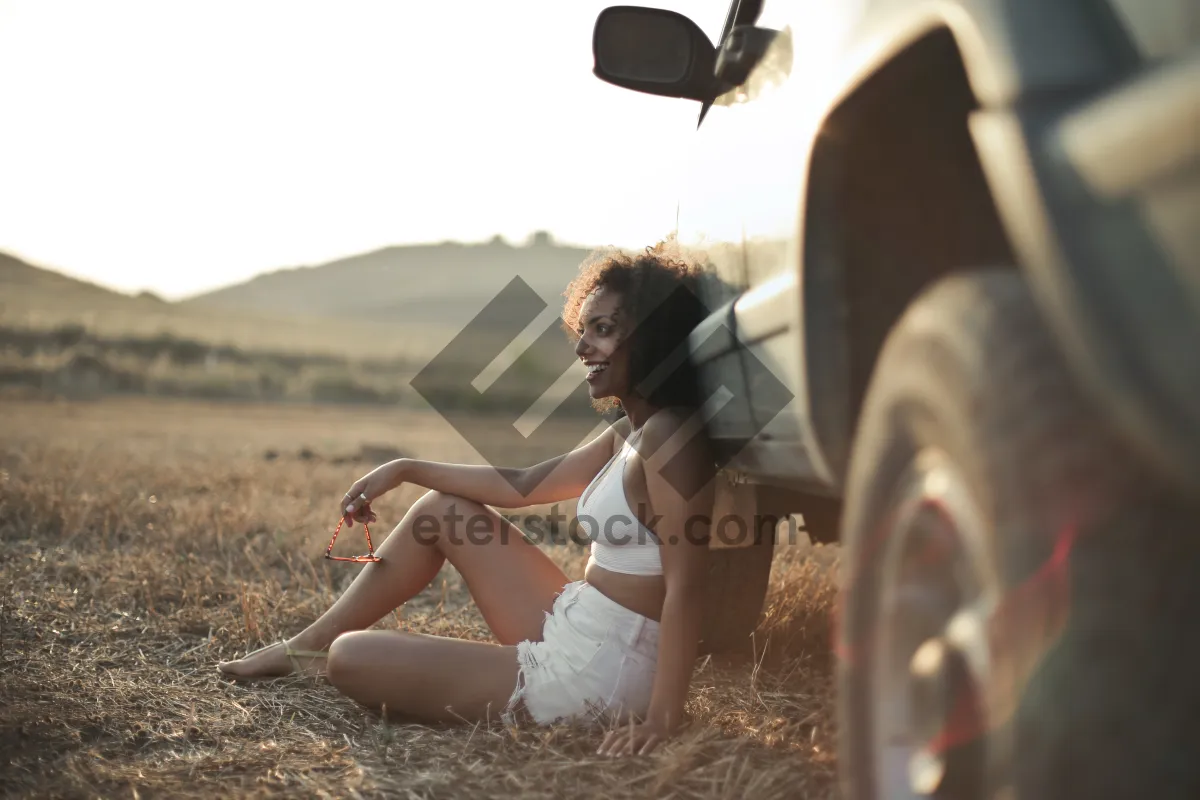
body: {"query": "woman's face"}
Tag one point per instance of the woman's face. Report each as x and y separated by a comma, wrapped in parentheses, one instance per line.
(602, 329)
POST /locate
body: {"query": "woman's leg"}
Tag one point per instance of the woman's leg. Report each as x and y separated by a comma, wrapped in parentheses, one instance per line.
(512, 581)
(431, 678)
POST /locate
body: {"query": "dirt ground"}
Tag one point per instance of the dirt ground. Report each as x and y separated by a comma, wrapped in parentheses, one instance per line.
(143, 541)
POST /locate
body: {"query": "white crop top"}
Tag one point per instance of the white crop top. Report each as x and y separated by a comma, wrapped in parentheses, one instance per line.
(620, 542)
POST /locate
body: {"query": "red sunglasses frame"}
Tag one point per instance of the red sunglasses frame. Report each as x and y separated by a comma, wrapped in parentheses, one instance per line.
(369, 558)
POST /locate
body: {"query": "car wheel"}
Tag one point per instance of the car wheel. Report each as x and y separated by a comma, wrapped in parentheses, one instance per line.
(1016, 611)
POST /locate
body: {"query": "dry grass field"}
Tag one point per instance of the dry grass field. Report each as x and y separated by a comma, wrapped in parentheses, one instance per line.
(143, 541)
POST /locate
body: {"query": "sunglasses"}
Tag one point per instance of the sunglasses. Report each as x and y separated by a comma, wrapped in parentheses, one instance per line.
(369, 558)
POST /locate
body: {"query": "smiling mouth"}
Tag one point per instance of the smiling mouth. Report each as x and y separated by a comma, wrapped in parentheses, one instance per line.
(594, 370)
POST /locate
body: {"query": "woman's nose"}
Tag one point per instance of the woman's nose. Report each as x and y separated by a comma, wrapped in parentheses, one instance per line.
(581, 347)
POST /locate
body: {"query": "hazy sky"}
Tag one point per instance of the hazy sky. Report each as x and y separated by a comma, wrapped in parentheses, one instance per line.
(178, 146)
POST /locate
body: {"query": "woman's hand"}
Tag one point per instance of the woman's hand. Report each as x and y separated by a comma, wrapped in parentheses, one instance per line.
(356, 503)
(637, 739)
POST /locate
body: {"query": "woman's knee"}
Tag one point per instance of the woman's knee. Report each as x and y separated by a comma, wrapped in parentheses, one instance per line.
(443, 506)
(362, 663)
(437, 512)
(345, 658)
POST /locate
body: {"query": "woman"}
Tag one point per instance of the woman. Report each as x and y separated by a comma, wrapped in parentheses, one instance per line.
(619, 645)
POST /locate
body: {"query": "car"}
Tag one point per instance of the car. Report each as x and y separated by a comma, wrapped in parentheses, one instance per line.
(962, 241)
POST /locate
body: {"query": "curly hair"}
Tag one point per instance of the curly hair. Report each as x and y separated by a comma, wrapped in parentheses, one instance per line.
(660, 292)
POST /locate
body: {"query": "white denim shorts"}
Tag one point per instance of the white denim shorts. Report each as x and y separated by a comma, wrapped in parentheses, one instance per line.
(596, 662)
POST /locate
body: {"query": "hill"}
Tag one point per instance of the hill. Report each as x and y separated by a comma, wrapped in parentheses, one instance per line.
(293, 335)
(396, 302)
(442, 284)
(34, 287)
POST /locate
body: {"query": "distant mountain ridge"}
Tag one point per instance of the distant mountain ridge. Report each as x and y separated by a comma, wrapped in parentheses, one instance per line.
(15, 272)
(32, 288)
(406, 300)
(434, 283)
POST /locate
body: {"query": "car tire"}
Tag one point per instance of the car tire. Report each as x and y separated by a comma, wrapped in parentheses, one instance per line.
(1019, 592)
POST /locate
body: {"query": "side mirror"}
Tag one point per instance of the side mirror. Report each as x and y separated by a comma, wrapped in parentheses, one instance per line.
(654, 51)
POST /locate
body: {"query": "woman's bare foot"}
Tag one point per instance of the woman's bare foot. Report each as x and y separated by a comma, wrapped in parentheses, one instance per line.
(275, 661)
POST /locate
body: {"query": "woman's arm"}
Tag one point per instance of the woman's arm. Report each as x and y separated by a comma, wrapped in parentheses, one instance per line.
(679, 482)
(560, 478)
